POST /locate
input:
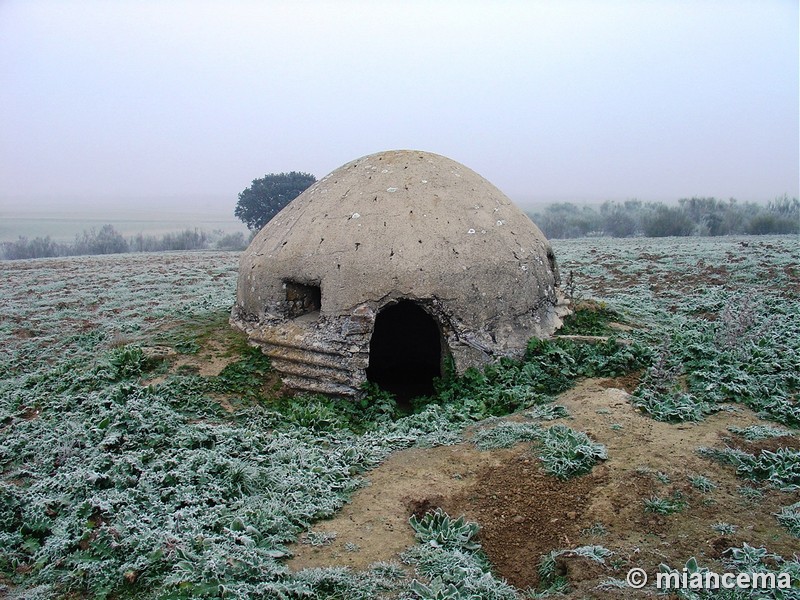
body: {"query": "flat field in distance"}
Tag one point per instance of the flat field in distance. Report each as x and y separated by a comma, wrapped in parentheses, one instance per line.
(147, 452)
(62, 225)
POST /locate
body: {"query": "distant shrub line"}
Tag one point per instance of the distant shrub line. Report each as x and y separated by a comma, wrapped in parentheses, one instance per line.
(108, 240)
(692, 216)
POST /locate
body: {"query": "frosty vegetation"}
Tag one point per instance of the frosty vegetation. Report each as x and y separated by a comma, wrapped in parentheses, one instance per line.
(107, 240)
(118, 479)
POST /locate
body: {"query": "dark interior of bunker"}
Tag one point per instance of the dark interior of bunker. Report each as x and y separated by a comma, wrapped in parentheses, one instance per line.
(405, 352)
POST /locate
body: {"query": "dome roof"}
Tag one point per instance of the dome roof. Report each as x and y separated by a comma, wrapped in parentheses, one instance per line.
(406, 225)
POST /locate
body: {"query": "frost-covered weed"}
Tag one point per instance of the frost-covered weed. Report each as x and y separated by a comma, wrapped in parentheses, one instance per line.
(780, 468)
(749, 558)
(549, 578)
(505, 434)
(702, 483)
(567, 453)
(596, 530)
(316, 538)
(663, 477)
(111, 485)
(750, 493)
(789, 517)
(438, 530)
(661, 394)
(452, 561)
(724, 528)
(664, 506)
(455, 575)
(760, 369)
(547, 412)
(760, 432)
(739, 324)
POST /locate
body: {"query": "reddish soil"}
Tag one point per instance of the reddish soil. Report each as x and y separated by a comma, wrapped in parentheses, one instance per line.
(524, 513)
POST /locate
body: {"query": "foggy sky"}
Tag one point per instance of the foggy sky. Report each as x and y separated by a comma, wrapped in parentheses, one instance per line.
(561, 100)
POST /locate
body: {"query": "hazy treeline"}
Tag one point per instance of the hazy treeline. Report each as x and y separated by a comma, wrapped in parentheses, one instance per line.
(692, 216)
(108, 240)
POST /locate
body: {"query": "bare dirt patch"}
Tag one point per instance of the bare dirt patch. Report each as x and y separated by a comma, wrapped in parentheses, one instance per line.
(374, 525)
(213, 356)
(524, 513)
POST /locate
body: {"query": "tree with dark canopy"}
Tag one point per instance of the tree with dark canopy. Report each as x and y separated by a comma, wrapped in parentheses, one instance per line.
(268, 195)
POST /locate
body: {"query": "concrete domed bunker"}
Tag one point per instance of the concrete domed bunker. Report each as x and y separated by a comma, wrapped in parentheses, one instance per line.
(390, 267)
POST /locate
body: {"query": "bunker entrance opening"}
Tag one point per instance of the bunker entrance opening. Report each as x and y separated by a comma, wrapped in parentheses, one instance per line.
(405, 351)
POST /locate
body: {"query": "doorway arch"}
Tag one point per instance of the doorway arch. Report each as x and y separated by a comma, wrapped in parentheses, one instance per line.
(405, 351)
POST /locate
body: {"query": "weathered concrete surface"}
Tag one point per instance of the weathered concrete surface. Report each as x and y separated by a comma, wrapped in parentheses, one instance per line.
(390, 226)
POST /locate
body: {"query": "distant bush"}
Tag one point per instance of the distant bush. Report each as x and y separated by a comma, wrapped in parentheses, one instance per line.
(619, 220)
(107, 240)
(772, 223)
(666, 221)
(566, 220)
(692, 216)
(188, 239)
(36, 248)
(232, 241)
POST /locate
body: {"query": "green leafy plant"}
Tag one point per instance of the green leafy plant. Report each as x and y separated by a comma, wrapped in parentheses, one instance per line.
(245, 376)
(724, 528)
(547, 412)
(664, 506)
(750, 493)
(549, 578)
(127, 362)
(451, 559)
(438, 590)
(596, 530)
(661, 395)
(377, 405)
(691, 568)
(319, 538)
(589, 318)
(548, 367)
(702, 483)
(663, 477)
(505, 434)
(438, 530)
(760, 432)
(780, 468)
(187, 347)
(789, 517)
(748, 558)
(567, 453)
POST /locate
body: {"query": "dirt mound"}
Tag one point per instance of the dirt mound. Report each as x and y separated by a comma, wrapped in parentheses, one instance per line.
(524, 513)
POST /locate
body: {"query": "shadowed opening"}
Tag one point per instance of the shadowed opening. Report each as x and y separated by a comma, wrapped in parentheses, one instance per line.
(302, 299)
(405, 352)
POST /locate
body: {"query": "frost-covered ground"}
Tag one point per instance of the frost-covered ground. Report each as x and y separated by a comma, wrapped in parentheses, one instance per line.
(113, 488)
(74, 305)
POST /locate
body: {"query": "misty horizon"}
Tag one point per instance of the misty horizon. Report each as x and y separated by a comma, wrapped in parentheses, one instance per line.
(223, 203)
(123, 102)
